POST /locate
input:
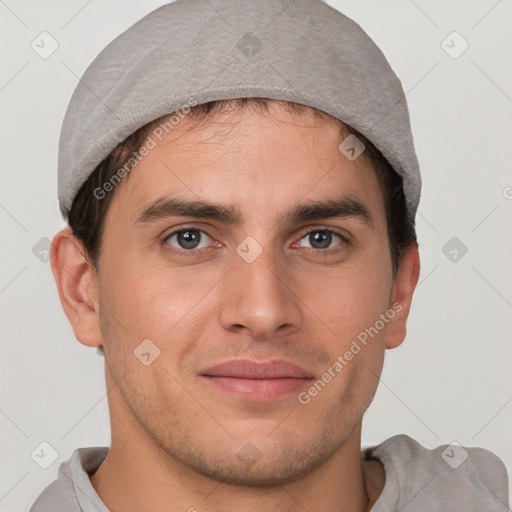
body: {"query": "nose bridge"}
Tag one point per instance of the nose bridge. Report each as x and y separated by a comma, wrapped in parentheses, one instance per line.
(260, 298)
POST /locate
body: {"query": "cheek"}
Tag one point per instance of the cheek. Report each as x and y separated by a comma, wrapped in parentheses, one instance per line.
(154, 300)
(354, 299)
(357, 338)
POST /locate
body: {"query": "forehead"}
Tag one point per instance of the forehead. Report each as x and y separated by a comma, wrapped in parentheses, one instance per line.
(251, 158)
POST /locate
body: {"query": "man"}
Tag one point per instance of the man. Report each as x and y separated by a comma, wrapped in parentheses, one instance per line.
(241, 185)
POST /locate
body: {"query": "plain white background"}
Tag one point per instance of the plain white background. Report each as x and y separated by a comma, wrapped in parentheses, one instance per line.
(449, 381)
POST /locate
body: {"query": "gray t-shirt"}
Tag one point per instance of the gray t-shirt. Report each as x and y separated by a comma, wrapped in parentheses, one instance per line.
(447, 478)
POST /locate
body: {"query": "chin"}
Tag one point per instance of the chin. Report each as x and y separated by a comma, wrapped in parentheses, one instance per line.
(271, 466)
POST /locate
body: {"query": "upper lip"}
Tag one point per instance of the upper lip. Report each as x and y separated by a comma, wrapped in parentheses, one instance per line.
(247, 369)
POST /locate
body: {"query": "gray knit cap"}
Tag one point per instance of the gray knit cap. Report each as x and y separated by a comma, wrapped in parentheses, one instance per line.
(194, 51)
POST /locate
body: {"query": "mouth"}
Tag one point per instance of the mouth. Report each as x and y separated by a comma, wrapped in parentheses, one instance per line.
(257, 381)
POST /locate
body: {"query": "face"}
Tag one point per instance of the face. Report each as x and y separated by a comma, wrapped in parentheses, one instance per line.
(249, 312)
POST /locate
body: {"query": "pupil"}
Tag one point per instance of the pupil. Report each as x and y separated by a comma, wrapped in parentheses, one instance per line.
(188, 239)
(323, 237)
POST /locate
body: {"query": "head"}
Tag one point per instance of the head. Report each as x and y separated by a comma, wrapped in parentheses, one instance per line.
(259, 283)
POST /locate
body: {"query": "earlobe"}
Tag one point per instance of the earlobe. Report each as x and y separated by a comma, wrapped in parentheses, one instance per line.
(77, 285)
(401, 297)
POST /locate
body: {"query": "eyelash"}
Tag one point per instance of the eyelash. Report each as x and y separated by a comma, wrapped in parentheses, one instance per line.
(344, 241)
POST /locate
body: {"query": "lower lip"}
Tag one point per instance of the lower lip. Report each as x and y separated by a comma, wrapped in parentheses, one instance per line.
(258, 389)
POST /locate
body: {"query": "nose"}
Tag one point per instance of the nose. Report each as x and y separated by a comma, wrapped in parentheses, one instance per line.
(261, 297)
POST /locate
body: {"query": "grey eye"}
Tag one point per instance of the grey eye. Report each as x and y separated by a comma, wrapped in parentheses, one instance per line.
(320, 239)
(187, 238)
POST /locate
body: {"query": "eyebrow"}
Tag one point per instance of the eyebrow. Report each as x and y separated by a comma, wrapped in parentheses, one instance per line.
(346, 206)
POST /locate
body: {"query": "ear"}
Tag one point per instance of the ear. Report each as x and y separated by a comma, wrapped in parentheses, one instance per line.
(77, 286)
(401, 296)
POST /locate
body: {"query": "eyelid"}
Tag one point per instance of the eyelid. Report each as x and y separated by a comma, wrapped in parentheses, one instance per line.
(175, 231)
(345, 239)
(333, 229)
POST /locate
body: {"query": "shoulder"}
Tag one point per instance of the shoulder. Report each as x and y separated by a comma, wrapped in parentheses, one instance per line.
(465, 478)
(60, 495)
